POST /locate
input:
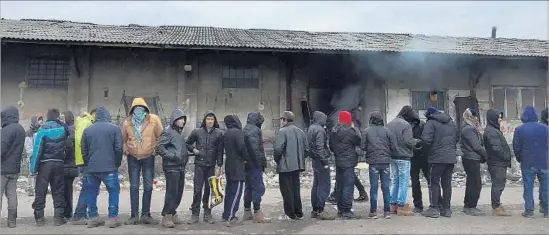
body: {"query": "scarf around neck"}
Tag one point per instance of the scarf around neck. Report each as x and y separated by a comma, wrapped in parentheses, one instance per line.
(138, 117)
(472, 120)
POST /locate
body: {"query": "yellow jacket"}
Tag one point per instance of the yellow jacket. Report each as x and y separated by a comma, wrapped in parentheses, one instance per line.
(82, 122)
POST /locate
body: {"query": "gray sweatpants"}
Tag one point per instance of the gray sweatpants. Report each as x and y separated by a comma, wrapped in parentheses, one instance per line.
(9, 187)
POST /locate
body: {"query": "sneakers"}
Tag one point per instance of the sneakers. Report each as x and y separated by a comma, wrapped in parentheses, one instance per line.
(325, 216)
(418, 210)
(404, 210)
(314, 214)
(233, 222)
(332, 200)
(260, 218)
(465, 210)
(167, 221)
(446, 213)
(148, 219)
(95, 222)
(193, 220)
(349, 215)
(208, 219)
(387, 215)
(78, 221)
(362, 199)
(474, 212)
(500, 211)
(248, 215)
(394, 208)
(372, 215)
(134, 220)
(285, 218)
(113, 223)
(431, 213)
(528, 214)
(58, 221)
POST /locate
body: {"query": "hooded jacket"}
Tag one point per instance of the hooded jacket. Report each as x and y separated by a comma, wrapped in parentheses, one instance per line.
(69, 163)
(440, 136)
(50, 143)
(318, 139)
(82, 122)
(13, 139)
(420, 154)
(235, 149)
(497, 149)
(209, 143)
(30, 134)
(530, 141)
(171, 145)
(403, 135)
(290, 147)
(253, 138)
(343, 142)
(102, 144)
(150, 132)
(544, 116)
(377, 141)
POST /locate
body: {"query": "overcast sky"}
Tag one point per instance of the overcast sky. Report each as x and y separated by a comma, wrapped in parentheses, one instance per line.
(520, 19)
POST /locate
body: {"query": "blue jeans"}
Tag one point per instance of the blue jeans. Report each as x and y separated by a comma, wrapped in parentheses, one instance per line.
(345, 180)
(321, 186)
(80, 212)
(400, 169)
(528, 175)
(135, 169)
(379, 172)
(93, 181)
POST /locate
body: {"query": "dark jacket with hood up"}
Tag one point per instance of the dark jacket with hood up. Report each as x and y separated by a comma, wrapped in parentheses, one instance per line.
(235, 149)
(318, 139)
(102, 144)
(420, 154)
(497, 149)
(440, 135)
(171, 145)
(472, 144)
(253, 138)
(530, 141)
(343, 142)
(70, 166)
(209, 143)
(13, 140)
(377, 141)
(290, 148)
(402, 130)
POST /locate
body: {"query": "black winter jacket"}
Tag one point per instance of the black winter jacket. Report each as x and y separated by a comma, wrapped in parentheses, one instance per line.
(70, 166)
(171, 145)
(343, 143)
(208, 143)
(472, 144)
(290, 148)
(497, 149)
(318, 139)
(253, 138)
(377, 141)
(13, 140)
(235, 149)
(420, 154)
(440, 136)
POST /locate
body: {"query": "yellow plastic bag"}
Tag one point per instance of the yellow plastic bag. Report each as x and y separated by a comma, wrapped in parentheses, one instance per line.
(216, 197)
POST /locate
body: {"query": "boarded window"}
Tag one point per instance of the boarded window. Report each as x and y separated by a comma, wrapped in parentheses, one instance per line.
(499, 99)
(48, 73)
(512, 101)
(540, 98)
(421, 100)
(240, 77)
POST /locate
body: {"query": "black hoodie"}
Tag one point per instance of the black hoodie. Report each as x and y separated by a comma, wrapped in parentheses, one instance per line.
(33, 128)
(497, 149)
(253, 138)
(70, 167)
(209, 143)
(318, 139)
(235, 149)
(377, 141)
(13, 140)
(171, 145)
(440, 135)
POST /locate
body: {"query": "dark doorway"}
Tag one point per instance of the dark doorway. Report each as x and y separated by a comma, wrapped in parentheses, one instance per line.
(462, 103)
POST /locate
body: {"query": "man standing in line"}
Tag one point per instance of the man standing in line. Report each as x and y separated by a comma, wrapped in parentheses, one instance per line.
(102, 154)
(70, 169)
(400, 164)
(440, 135)
(530, 147)
(289, 154)
(140, 133)
(206, 143)
(418, 165)
(255, 188)
(498, 158)
(320, 153)
(13, 140)
(36, 122)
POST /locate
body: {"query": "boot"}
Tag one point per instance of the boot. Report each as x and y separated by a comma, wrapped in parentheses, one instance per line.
(12, 217)
(208, 218)
(134, 220)
(431, 213)
(528, 214)
(193, 220)
(39, 218)
(58, 221)
(148, 219)
(233, 222)
(372, 215)
(167, 221)
(349, 215)
(78, 221)
(260, 218)
(176, 219)
(248, 215)
(446, 212)
(314, 214)
(362, 199)
(475, 212)
(113, 223)
(404, 210)
(418, 209)
(500, 211)
(325, 216)
(95, 222)
(394, 208)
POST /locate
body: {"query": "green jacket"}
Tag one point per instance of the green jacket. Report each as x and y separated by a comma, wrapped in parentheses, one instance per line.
(82, 122)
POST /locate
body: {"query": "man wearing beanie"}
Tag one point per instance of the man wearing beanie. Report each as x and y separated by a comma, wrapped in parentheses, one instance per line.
(289, 154)
(47, 161)
(440, 136)
(344, 139)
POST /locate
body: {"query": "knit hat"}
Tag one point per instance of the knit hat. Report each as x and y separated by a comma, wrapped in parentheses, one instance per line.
(430, 111)
(345, 118)
(53, 114)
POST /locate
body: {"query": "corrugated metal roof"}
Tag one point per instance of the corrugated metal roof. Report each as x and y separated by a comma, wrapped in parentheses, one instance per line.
(214, 37)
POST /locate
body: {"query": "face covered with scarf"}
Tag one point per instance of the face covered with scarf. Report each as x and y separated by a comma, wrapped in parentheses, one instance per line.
(470, 118)
(138, 117)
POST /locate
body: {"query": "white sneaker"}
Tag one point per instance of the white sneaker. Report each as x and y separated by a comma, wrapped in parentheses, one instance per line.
(285, 218)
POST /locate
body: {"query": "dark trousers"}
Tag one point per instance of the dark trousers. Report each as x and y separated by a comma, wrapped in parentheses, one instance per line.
(291, 195)
(67, 194)
(175, 184)
(441, 177)
(136, 168)
(49, 173)
(359, 186)
(110, 180)
(473, 186)
(201, 175)
(321, 186)
(418, 166)
(9, 188)
(345, 180)
(255, 188)
(380, 173)
(498, 174)
(233, 193)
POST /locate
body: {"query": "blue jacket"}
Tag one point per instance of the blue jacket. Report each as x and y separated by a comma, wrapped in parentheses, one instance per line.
(49, 144)
(102, 144)
(530, 141)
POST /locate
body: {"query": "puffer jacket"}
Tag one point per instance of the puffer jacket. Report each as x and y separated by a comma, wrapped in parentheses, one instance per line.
(343, 142)
(69, 163)
(440, 135)
(318, 139)
(235, 149)
(402, 130)
(530, 141)
(13, 140)
(171, 145)
(290, 147)
(49, 144)
(420, 154)
(377, 141)
(150, 132)
(82, 122)
(253, 138)
(497, 149)
(208, 143)
(472, 144)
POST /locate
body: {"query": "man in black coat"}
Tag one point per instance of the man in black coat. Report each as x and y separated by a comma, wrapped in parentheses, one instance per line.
(13, 140)
(70, 169)
(171, 147)
(418, 165)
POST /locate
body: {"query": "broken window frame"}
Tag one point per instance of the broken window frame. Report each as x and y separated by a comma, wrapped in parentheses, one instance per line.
(240, 75)
(440, 104)
(520, 103)
(48, 72)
